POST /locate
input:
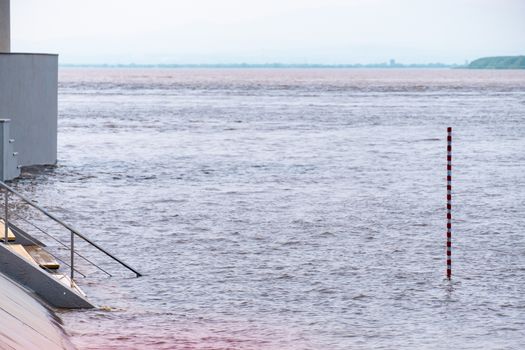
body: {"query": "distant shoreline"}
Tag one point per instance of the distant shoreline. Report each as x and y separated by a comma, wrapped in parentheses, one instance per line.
(266, 65)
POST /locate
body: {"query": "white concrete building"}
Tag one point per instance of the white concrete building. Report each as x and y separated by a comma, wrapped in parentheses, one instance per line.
(28, 98)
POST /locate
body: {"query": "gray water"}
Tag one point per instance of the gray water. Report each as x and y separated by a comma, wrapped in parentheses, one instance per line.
(293, 209)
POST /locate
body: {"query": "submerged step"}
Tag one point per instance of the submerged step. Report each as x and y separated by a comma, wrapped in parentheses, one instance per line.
(66, 281)
(10, 235)
(42, 258)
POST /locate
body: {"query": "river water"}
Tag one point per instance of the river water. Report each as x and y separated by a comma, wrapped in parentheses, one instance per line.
(293, 209)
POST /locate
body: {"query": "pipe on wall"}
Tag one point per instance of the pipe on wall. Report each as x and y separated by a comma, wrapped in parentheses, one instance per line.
(5, 26)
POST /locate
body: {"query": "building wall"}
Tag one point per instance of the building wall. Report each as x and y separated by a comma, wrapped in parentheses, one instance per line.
(28, 96)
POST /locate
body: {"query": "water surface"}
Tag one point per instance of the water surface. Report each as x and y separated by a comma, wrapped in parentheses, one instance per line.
(293, 209)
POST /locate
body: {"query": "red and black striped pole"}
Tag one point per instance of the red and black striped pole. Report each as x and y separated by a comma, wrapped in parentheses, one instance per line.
(449, 203)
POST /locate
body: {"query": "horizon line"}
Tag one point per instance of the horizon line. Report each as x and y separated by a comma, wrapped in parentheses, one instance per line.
(262, 65)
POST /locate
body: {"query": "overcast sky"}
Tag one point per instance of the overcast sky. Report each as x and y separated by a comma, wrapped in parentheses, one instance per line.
(261, 31)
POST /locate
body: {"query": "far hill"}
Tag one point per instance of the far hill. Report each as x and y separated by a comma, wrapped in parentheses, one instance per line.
(501, 62)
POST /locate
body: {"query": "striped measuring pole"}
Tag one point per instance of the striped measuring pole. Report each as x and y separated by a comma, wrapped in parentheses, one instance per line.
(449, 203)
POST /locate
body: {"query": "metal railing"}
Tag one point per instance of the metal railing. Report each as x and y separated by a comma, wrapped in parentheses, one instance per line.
(73, 232)
(59, 242)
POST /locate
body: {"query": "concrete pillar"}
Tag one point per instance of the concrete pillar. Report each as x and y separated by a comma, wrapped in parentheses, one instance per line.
(5, 26)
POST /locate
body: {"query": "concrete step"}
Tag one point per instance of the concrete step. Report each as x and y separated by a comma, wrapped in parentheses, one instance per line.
(42, 258)
(10, 235)
(66, 281)
(20, 250)
(54, 290)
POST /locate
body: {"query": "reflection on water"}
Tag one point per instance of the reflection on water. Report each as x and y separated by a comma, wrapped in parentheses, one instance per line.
(293, 209)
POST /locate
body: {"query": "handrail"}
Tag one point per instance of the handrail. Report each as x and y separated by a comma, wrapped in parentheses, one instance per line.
(61, 243)
(71, 229)
(54, 256)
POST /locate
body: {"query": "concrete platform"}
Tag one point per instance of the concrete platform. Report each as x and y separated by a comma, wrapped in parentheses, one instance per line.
(25, 323)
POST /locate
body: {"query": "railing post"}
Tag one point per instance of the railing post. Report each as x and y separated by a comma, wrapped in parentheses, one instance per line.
(72, 250)
(6, 223)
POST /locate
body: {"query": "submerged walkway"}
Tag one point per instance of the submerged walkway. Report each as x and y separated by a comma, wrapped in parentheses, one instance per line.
(25, 323)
